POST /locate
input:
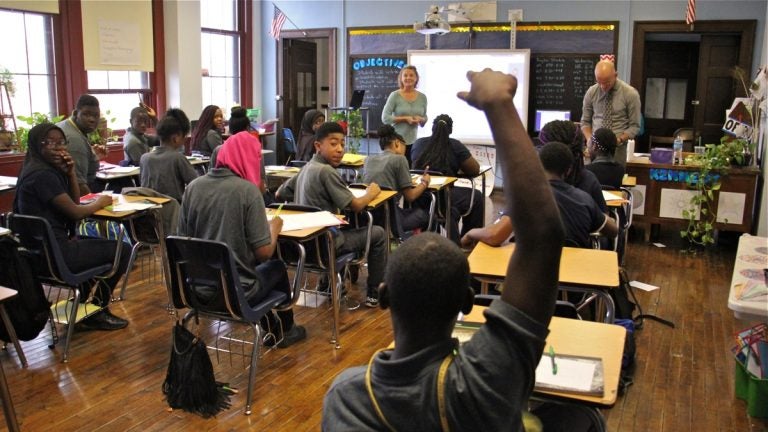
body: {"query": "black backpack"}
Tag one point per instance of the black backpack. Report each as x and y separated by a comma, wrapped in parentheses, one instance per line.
(30, 309)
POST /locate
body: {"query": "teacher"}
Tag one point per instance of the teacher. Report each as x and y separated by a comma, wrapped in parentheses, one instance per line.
(406, 108)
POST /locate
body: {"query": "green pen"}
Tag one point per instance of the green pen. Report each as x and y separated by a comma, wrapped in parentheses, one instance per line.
(277, 213)
(552, 357)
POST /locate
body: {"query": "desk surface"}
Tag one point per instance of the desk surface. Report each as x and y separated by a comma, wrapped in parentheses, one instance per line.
(381, 198)
(442, 181)
(107, 214)
(629, 181)
(581, 267)
(748, 297)
(586, 339)
(302, 234)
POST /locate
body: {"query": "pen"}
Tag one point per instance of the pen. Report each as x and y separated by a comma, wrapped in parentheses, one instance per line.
(277, 213)
(552, 357)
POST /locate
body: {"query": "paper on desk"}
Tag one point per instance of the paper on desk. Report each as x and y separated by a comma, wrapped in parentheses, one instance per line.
(643, 286)
(573, 374)
(4, 231)
(612, 196)
(132, 206)
(273, 168)
(357, 192)
(433, 180)
(352, 159)
(293, 222)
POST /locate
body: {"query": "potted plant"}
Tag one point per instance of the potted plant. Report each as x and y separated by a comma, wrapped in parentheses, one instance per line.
(7, 141)
(352, 122)
(36, 118)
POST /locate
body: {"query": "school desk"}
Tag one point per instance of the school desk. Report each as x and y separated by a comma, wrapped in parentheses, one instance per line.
(748, 297)
(7, 183)
(590, 271)
(584, 339)
(437, 184)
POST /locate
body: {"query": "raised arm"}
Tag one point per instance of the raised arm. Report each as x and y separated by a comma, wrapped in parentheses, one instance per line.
(532, 274)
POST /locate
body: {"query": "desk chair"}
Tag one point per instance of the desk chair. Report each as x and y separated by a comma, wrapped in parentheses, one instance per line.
(440, 200)
(38, 241)
(689, 140)
(204, 279)
(289, 144)
(399, 233)
(660, 141)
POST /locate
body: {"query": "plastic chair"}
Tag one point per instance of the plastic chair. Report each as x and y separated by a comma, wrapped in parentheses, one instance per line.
(204, 279)
(289, 144)
(689, 140)
(38, 240)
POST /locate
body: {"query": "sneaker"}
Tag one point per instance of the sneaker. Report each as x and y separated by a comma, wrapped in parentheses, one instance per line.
(295, 334)
(102, 320)
(371, 302)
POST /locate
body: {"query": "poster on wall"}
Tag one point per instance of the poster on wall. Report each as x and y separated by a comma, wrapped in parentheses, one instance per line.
(119, 43)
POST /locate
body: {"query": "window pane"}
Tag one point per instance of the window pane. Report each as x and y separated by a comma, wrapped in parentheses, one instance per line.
(654, 97)
(675, 107)
(43, 94)
(218, 14)
(118, 80)
(116, 108)
(36, 47)
(98, 80)
(14, 56)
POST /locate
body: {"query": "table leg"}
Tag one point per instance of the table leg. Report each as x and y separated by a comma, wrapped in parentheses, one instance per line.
(335, 289)
(12, 334)
(10, 412)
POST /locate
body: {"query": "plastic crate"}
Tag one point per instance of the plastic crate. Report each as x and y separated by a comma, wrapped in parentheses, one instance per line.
(753, 390)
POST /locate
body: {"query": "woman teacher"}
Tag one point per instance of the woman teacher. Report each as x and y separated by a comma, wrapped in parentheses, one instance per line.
(406, 108)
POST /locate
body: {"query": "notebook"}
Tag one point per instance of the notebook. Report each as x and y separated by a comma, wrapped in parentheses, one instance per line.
(357, 99)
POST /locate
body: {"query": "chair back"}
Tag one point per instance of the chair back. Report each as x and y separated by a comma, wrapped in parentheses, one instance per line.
(36, 236)
(203, 277)
(289, 142)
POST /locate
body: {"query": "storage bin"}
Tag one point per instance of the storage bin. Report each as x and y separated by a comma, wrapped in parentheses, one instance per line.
(753, 390)
(662, 155)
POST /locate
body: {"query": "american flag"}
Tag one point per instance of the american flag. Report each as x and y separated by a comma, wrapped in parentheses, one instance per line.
(690, 13)
(277, 23)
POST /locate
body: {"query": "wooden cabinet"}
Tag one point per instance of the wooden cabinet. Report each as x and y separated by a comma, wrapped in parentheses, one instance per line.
(662, 193)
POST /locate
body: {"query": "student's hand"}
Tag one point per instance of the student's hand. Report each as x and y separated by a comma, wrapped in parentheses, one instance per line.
(425, 178)
(373, 189)
(150, 111)
(276, 224)
(67, 164)
(488, 88)
(467, 242)
(100, 150)
(104, 200)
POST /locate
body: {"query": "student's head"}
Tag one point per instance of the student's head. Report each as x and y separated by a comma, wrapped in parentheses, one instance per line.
(435, 154)
(408, 77)
(556, 158)
(173, 128)
(391, 140)
(211, 118)
(605, 74)
(47, 142)
(87, 113)
(426, 282)
(312, 120)
(329, 142)
(238, 120)
(568, 132)
(139, 120)
(603, 143)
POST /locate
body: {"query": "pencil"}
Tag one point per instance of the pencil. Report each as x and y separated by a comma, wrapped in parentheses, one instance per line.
(552, 357)
(277, 213)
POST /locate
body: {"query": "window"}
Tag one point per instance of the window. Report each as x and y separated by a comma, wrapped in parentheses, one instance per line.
(28, 56)
(119, 92)
(665, 98)
(220, 43)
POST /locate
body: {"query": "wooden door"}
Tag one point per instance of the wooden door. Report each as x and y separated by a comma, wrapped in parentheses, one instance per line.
(299, 81)
(716, 85)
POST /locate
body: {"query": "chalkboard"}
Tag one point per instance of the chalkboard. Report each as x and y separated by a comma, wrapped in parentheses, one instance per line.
(377, 75)
(559, 82)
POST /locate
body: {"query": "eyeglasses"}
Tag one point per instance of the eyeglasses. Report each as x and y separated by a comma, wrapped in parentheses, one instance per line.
(55, 143)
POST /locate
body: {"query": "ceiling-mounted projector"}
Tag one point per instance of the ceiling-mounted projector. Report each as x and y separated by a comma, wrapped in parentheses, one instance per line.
(433, 23)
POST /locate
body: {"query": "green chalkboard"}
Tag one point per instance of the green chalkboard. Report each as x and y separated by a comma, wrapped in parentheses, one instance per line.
(377, 75)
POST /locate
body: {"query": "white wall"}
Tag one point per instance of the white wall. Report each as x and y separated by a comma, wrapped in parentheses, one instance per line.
(182, 56)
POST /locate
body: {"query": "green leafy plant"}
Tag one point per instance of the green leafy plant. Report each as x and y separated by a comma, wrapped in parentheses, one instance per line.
(6, 78)
(103, 132)
(22, 133)
(352, 120)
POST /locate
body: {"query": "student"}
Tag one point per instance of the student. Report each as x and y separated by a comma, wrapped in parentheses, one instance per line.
(602, 148)
(579, 212)
(227, 206)
(306, 142)
(319, 184)
(449, 156)
(389, 169)
(207, 133)
(135, 140)
(429, 381)
(567, 132)
(166, 170)
(83, 121)
(48, 187)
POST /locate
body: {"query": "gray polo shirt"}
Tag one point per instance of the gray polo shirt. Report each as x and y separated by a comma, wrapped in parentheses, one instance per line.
(134, 146)
(222, 206)
(166, 171)
(388, 170)
(317, 184)
(86, 162)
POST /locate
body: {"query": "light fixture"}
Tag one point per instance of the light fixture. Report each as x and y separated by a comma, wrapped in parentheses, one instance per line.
(433, 23)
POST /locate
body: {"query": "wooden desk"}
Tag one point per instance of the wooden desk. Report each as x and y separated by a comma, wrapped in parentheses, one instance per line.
(437, 184)
(629, 181)
(7, 183)
(581, 270)
(7, 294)
(586, 339)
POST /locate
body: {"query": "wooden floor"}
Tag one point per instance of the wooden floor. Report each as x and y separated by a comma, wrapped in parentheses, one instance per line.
(684, 378)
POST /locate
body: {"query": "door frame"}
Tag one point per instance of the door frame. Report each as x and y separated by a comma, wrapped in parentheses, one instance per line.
(744, 28)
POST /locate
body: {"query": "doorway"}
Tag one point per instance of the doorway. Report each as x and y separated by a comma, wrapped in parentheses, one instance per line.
(306, 77)
(684, 74)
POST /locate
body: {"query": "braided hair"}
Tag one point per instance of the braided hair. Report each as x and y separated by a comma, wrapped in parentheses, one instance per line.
(566, 132)
(604, 141)
(387, 136)
(204, 124)
(436, 153)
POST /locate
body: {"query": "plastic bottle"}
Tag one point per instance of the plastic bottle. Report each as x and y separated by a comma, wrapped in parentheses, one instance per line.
(677, 146)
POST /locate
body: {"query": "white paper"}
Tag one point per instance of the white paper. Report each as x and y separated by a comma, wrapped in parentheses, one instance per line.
(674, 201)
(131, 206)
(643, 286)
(4, 231)
(122, 170)
(119, 43)
(298, 221)
(730, 207)
(433, 180)
(659, 245)
(5, 180)
(358, 193)
(571, 374)
(612, 196)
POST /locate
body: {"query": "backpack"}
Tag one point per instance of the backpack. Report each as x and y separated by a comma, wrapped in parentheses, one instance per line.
(30, 309)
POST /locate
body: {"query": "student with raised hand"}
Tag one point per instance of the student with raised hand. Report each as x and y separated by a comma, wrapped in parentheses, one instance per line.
(48, 187)
(389, 169)
(226, 205)
(207, 134)
(135, 140)
(429, 382)
(166, 170)
(319, 184)
(83, 121)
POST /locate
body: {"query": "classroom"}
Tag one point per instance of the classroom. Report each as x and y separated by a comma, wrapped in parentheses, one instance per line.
(279, 59)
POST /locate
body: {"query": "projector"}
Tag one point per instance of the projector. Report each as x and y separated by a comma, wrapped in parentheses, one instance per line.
(432, 27)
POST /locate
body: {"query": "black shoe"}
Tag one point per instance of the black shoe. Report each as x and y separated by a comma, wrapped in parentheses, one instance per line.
(295, 334)
(102, 320)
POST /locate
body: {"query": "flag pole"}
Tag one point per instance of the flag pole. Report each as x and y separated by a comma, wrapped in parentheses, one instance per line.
(290, 20)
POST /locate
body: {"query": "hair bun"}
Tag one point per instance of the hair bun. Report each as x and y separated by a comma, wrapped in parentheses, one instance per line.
(238, 111)
(385, 130)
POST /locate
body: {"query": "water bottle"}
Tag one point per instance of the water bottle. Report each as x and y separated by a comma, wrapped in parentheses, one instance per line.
(677, 146)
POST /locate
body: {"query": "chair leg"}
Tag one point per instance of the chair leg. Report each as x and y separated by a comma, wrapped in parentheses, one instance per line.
(134, 252)
(254, 361)
(71, 324)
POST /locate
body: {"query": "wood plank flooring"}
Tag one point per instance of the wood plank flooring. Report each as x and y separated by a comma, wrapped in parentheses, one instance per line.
(683, 382)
